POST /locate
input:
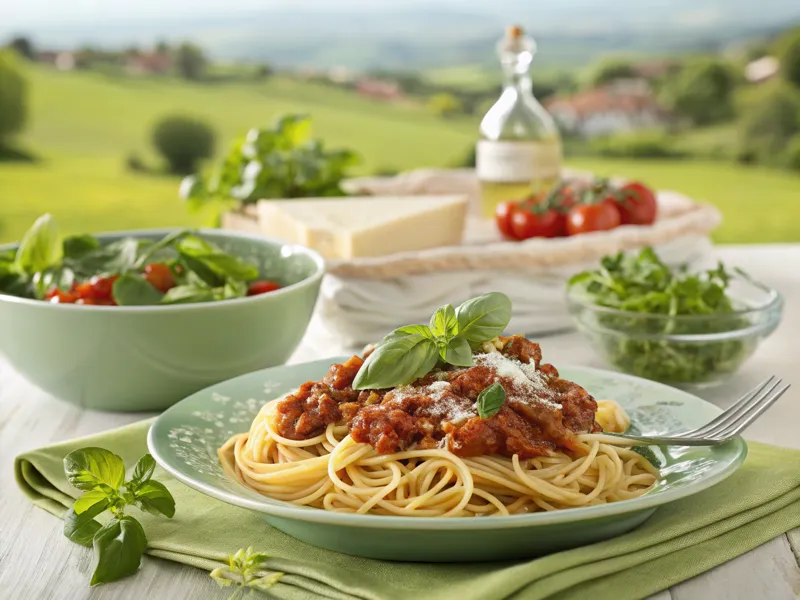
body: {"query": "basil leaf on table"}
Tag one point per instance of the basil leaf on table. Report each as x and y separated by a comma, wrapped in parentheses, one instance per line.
(483, 318)
(89, 467)
(81, 528)
(154, 497)
(397, 361)
(491, 400)
(41, 247)
(78, 246)
(444, 322)
(133, 290)
(119, 547)
(90, 499)
(142, 471)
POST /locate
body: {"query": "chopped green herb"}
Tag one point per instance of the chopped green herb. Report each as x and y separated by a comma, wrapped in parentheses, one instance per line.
(491, 400)
(246, 569)
(648, 453)
(642, 285)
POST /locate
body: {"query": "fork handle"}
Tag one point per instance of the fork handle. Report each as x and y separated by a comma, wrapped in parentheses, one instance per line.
(646, 440)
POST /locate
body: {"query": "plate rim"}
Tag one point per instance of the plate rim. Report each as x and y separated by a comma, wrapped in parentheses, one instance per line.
(290, 511)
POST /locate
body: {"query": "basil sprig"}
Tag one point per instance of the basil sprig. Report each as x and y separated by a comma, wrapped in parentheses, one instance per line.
(245, 569)
(491, 400)
(120, 543)
(412, 351)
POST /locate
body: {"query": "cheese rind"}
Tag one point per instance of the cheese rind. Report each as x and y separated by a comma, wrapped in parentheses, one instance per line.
(360, 227)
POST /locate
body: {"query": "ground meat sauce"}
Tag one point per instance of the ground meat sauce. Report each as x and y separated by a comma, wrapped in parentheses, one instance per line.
(541, 412)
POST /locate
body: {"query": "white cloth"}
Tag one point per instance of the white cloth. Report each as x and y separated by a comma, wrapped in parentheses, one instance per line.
(358, 311)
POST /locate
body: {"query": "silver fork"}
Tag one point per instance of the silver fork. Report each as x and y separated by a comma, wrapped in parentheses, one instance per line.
(725, 426)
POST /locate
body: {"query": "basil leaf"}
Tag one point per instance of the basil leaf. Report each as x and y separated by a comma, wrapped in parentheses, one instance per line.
(397, 361)
(133, 290)
(458, 352)
(154, 497)
(491, 400)
(81, 528)
(214, 258)
(89, 499)
(89, 467)
(142, 471)
(78, 246)
(444, 322)
(186, 294)
(114, 258)
(165, 242)
(60, 277)
(234, 289)
(648, 453)
(407, 330)
(41, 247)
(118, 546)
(203, 272)
(483, 318)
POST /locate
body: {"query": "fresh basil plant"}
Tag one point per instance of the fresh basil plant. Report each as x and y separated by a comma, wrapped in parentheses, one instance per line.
(121, 542)
(412, 351)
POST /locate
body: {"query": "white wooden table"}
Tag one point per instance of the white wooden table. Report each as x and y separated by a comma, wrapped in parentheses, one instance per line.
(37, 561)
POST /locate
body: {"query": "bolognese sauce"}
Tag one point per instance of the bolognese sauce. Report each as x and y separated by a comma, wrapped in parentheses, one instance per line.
(542, 412)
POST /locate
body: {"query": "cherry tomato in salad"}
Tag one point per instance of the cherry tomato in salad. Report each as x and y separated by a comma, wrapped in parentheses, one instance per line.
(548, 223)
(159, 276)
(637, 204)
(57, 296)
(503, 215)
(102, 287)
(585, 218)
(262, 287)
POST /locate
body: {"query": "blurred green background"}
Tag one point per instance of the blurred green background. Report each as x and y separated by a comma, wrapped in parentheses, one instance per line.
(77, 112)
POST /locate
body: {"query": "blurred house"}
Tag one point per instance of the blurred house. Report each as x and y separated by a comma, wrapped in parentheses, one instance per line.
(626, 105)
(63, 61)
(761, 69)
(379, 89)
(149, 63)
(654, 69)
(341, 75)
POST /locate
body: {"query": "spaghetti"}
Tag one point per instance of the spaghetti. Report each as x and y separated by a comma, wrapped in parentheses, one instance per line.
(345, 466)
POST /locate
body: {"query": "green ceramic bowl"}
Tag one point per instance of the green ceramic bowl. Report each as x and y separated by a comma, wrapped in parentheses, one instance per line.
(184, 441)
(147, 358)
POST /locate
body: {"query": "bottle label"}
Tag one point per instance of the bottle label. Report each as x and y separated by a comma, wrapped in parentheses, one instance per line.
(517, 161)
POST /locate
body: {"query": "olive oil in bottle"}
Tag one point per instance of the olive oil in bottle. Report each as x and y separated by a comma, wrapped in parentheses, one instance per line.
(519, 154)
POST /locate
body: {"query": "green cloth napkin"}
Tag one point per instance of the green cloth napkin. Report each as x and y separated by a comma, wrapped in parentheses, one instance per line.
(685, 538)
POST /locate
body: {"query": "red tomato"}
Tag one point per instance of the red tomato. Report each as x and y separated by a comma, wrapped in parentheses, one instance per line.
(102, 287)
(585, 218)
(637, 204)
(56, 296)
(527, 224)
(159, 276)
(262, 287)
(570, 194)
(502, 216)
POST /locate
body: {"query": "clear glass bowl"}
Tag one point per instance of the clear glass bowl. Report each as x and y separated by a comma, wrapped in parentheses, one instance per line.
(684, 351)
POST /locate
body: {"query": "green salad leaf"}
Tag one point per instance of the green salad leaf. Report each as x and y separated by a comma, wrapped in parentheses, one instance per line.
(412, 351)
(41, 247)
(133, 290)
(120, 543)
(642, 285)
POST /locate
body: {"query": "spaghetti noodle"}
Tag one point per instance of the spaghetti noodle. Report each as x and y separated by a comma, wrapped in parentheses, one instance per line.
(333, 471)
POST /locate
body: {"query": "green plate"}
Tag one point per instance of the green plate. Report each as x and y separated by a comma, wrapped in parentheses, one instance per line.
(185, 438)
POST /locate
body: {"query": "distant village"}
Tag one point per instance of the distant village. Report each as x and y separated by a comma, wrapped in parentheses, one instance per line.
(625, 103)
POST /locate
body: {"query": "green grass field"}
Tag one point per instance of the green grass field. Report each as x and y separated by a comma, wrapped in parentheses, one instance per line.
(83, 125)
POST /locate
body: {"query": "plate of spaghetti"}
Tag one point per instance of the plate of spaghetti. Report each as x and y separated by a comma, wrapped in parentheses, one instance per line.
(444, 442)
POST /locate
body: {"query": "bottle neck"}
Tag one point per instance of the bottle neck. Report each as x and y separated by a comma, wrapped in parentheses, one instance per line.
(519, 82)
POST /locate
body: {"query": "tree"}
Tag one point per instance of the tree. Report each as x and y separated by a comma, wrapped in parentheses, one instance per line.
(24, 47)
(770, 125)
(701, 92)
(162, 47)
(790, 59)
(13, 96)
(183, 142)
(612, 69)
(444, 105)
(190, 61)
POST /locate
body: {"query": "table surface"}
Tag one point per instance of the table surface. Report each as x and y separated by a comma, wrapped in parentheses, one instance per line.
(37, 561)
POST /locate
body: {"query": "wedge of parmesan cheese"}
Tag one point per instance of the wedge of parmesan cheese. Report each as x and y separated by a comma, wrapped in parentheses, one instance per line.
(358, 227)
